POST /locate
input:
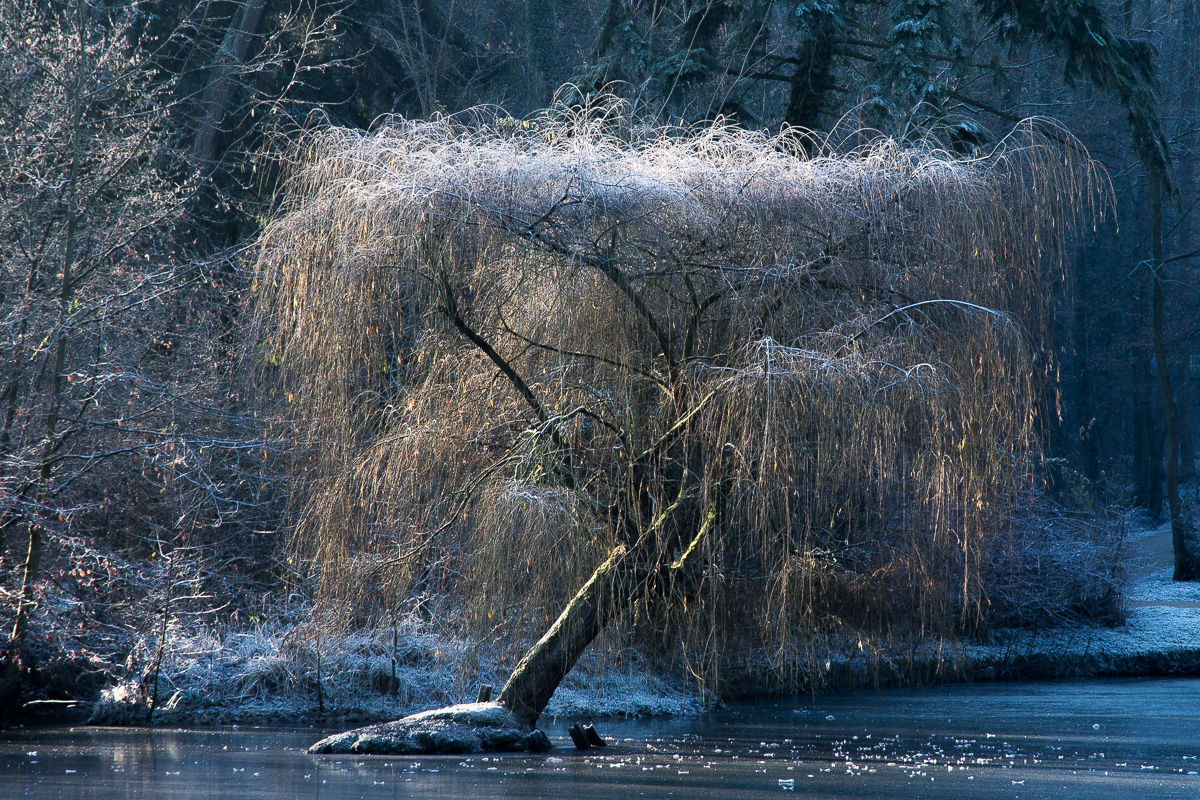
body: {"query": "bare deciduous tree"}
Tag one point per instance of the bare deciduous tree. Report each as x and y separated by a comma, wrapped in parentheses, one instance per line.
(88, 191)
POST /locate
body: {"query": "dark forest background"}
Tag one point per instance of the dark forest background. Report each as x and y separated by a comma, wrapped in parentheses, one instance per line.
(143, 471)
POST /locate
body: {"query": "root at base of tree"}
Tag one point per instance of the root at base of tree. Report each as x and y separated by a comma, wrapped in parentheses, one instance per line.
(464, 728)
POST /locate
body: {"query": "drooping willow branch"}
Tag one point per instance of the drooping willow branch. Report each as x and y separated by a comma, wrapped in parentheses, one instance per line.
(651, 300)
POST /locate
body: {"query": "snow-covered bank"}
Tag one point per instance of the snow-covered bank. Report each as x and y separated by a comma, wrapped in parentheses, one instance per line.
(1160, 634)
(288, 671)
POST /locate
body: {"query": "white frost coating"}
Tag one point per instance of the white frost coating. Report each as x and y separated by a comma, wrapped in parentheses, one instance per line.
(269, 673)
(1161, 614)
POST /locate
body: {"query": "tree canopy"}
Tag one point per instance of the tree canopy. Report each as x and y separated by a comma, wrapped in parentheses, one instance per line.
(792, 395)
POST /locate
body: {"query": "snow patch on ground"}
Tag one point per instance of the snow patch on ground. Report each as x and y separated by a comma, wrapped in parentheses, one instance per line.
(1161, 615)
(291, 670)
(621, 693)
(1159, 588)
(1140, 526)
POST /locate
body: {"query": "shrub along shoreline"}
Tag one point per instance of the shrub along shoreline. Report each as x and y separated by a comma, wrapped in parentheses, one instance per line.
(254, 682)
(293, 670)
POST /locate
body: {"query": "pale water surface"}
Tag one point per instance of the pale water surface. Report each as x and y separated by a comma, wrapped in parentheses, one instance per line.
(1081, 739)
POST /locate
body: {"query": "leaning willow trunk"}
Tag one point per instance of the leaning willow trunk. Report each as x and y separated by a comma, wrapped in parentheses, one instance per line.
(611, 587)
(624, 578)
(509, 723)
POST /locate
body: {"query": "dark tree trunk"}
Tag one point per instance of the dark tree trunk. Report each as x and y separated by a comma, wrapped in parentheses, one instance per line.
(1147, 437)
(1089, 453)
(625, 577)
(541, 45)
(1154, 486)
(235, 48)
(1185, 561)
(1187, 433)
(545, 665)
(31, 569)
(1140, 429)
(813, 78)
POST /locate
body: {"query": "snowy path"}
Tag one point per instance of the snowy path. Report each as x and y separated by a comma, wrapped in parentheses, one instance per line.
(1162, 614)
(1160, 636)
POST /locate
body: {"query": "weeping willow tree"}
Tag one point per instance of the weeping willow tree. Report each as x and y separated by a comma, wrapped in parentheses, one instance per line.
(744, 396)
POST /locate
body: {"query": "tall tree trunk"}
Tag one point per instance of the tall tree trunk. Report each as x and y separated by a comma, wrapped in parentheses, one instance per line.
(1148, 433)
(1188, 95)
(1158, 438)
(1142, 433)
(1185, 562)
(625, 577)
(11, 397)
(813, 78)
(1187, 434)
(1089, 451)
(541, 44)
(231, 56)
(36, 538)
(608, 25)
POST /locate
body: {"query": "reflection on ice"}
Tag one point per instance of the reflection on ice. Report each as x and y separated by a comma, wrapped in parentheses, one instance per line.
(1003, 738)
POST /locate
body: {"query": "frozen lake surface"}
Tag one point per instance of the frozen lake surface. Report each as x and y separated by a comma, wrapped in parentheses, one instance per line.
(1077, 739)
